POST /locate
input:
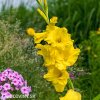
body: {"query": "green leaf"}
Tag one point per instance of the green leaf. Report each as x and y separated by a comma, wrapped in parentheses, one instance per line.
(97, 97)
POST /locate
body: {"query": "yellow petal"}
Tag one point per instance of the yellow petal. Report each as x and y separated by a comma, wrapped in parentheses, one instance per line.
(71, 95)
(38, 37)
(53, 20)
(73, 56)
(58, 78)
(47, 51)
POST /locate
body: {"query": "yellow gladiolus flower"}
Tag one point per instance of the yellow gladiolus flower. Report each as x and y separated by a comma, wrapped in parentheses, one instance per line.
(51, 56)
(48, 53)
(58, 58)
(57, 77)
(71, 95)
(68, 56)
(56, 47)
(71, 56)
(30, 31)
(58, 37)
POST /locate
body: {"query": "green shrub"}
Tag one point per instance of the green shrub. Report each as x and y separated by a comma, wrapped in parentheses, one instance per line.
(89, 62)
(94, 62)
(12, 46)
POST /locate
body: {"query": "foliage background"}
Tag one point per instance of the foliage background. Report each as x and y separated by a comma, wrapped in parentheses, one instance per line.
(81, 17)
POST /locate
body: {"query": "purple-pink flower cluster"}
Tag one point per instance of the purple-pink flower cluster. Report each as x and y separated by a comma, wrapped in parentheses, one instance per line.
(11, 80)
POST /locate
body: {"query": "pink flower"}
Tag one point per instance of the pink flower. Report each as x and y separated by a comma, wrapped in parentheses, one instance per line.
(15, 82)
(15, 74)
(25, 90)
(6, 95)
(5, 73)
(10, 76)
(9, 70)
(6, 86)
(2, 78)
(21, 83)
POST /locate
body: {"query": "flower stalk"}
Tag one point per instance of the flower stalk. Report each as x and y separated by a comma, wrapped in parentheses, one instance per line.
(70, 83)
(44, 10)
(58, 53)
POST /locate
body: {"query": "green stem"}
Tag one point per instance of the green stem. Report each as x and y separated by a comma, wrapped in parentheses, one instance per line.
(44, 10)
(70, 84)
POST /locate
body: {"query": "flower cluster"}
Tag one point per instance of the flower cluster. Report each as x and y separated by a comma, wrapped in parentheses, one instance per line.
(56, 47)
(10, 81)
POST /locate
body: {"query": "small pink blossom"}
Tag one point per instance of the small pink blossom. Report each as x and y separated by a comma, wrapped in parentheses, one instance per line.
(6, 95)
(3, 78)
(25, 90)
(10, 76)
(15, 82)
(6, 86)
